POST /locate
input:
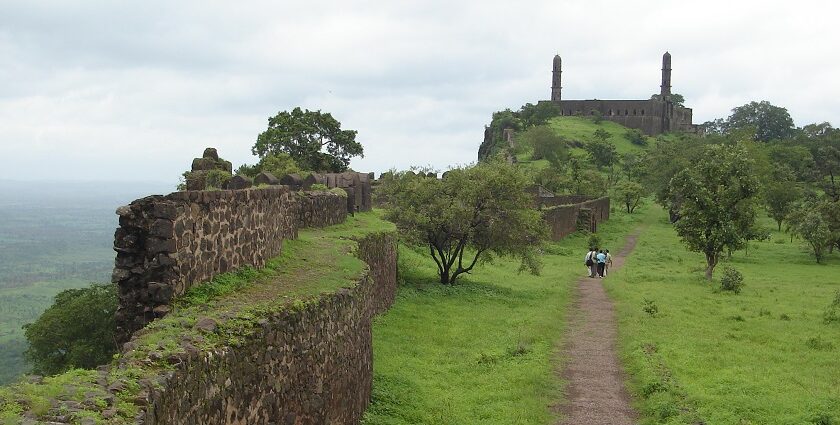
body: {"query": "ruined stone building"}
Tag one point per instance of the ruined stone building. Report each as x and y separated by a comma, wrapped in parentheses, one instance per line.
(651, 116)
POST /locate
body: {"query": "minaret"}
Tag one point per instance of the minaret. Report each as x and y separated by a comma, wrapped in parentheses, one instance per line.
(665, 92)
(555, 79)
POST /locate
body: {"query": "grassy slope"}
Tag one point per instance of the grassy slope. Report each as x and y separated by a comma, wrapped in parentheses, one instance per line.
(582, 129)
(761, 357)
(482, 351)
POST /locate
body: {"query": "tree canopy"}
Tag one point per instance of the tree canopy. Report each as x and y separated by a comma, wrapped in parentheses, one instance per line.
(769, 122)
(715, 207)
(77, 331)
(313, 139)
(469, 216)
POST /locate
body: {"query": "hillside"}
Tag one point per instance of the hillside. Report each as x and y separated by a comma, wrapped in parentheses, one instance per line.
(578, 131)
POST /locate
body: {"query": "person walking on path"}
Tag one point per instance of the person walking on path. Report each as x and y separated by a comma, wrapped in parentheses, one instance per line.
(602, 262)
(608, 264)
(589, 261)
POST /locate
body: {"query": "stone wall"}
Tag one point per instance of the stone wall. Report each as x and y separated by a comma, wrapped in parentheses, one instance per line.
(321, 209)
(167, 243)
(312, 365)
(565, 219)
(305, 362)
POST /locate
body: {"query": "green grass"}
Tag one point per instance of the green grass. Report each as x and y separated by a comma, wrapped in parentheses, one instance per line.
(763, 356)
(482, 351)
(581, 129)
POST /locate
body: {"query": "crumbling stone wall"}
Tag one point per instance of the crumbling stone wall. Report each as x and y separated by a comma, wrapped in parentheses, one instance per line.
(311, 365)
(307, 363)
(565, 219)
(167, 243)
(321, 209)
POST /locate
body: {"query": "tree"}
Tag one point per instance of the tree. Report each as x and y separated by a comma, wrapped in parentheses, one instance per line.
(676, 98)
(603, 153)
(278, 164)
(77, 331)
(313, 139)
(663, 162)
(807, 222)
(770, 122)
(630, 194)
(468, 217)
(781, 193)
(827, 160)
(715, 208)
(546, 144)
(539, 114)
(636, 137)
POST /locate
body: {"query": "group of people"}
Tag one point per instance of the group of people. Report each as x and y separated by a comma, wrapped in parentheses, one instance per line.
(598, 261)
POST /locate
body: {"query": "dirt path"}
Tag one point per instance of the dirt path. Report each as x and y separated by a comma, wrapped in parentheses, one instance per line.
(595, 392)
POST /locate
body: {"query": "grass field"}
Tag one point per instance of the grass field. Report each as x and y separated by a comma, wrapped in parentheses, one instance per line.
(763, 356)
(482, 351)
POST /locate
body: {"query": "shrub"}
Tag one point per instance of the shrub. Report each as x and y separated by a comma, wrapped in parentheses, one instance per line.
(318, 186)
(732, 280)
(832, 312)
(650, 307)
(217, 178)
(636, 137)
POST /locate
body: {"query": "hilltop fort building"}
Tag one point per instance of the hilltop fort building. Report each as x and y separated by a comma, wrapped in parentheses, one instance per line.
(651, 116)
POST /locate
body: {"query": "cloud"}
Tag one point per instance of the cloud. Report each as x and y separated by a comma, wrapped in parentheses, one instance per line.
(132, 91)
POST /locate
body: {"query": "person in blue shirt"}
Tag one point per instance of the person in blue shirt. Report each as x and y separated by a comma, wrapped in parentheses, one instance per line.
(602, 262)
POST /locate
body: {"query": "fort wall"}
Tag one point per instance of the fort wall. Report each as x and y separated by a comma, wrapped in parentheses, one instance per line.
(165, 244)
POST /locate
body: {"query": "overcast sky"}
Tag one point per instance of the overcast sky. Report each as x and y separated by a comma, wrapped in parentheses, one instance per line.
(129, 90)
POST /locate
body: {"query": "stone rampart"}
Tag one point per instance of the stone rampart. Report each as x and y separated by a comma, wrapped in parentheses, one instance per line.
(566, 218)
(308, 365)
(165, 244)
(304, 362)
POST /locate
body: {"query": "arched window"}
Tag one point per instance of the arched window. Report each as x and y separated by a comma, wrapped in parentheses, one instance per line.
(634, 112)
(626, 112)
(610, 112)
(643, 111)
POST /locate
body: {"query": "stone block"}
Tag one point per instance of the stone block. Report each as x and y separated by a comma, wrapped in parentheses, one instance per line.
(238, 182)
(203, 164)
(211, 153)
(266, 178)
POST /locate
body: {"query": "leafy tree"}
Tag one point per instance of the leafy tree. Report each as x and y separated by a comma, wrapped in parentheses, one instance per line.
(676, 98)
(585, 180)
(602, 135)
(807, 222)
(77, 331)
(797, 158)
(313, 139)
(827, 160)
(715, 206)
(546, 144)
(535, 115)
(663, 162)
(630, 194)
(781, 193)
(602, 153)
(278, 164)
(770, 122)
(468, 217)
(634, 166)
(818, 131)
(553, 179)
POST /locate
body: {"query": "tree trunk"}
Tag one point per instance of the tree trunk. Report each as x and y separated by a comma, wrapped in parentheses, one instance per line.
(780, 225)
(444, 276)
(711, 262)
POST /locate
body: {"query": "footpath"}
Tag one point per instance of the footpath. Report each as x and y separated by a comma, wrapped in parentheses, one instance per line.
(595, 392)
